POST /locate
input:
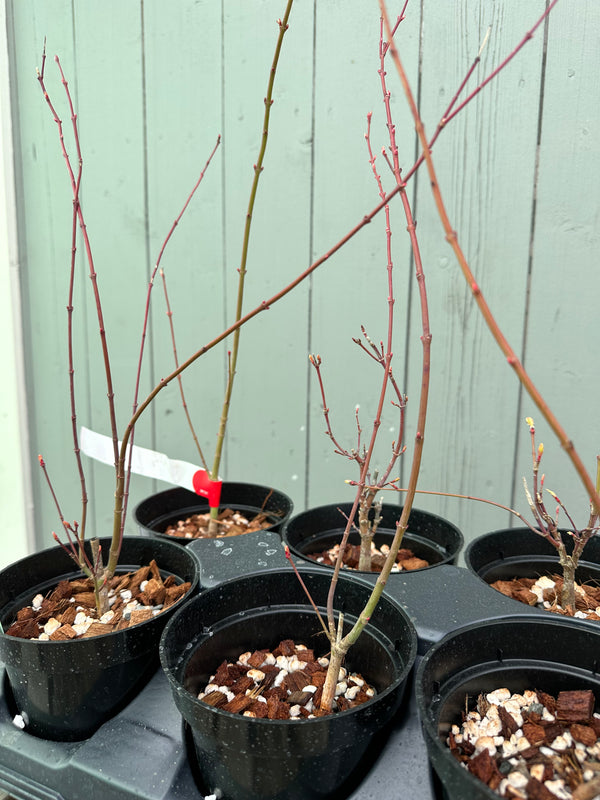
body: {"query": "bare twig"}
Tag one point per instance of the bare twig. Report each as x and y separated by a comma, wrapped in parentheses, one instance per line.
(179, 378)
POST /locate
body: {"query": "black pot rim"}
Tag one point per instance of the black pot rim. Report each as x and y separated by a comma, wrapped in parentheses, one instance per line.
(449, 557)
(193, 503)
(76, 573)
(534, 556)
(430, 719)
(405, 672)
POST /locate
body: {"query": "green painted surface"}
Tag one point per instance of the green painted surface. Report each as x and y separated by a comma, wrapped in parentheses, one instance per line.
(155, 83)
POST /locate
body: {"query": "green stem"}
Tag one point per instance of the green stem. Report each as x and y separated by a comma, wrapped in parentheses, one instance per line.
(258, 167)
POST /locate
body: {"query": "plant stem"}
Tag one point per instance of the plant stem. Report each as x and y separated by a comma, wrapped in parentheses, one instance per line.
(186, 410)
(258, 168)
(343, 645)
(151, 286)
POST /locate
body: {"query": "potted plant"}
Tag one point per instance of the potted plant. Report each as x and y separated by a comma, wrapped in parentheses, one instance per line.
(537, 564)
(86, 670)
(68, 675)
(178, 513)
(507, 559)
(429, 540)
(243, 756)
(461, 676)
(346, 533)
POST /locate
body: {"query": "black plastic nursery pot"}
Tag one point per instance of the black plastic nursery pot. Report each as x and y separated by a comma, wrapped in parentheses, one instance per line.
(242, 758)
(521, 553)
(429, 537)
(66, 689)
(523, 652)
(154, 514)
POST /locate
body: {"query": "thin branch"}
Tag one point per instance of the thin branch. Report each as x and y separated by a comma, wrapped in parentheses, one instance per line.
(258, 167)
(145, 326)
(179, 378)
(86, 241)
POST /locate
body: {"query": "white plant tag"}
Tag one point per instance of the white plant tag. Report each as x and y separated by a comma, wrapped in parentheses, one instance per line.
(144, 461)
(154, 465)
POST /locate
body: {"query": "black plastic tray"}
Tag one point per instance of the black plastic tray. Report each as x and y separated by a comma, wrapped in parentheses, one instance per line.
(141, 754)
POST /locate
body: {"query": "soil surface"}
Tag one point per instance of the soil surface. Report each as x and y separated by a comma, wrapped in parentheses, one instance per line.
(285, 683)
(231, 523)
(545, 593)
(69, 610)
(405, 560)
(532, 746)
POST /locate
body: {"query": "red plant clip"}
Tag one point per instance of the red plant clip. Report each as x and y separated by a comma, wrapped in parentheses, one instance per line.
(205, 487)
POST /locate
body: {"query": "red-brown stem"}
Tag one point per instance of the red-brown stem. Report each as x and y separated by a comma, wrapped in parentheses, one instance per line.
(305, 588)
(528, 36)
(339, 450)
(87, 246)
(582, 535)
(342, 645)
(179, 379)
(482, 305)
(77, 553)
(71, 363)
(145, 326)
(76, 183)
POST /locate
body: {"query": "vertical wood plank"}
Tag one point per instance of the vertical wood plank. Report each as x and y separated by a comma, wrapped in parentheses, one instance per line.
(352, 290)
(184, 118)
(562, 322)
(485, 160)
(266, 440)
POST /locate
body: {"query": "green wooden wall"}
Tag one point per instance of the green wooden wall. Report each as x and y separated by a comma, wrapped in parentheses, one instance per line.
(154, 83)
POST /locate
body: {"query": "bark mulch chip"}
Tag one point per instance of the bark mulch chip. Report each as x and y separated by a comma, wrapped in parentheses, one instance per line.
(230, 523)
(532, 746)
(285, 683)
(405, 560)
(69, 610)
